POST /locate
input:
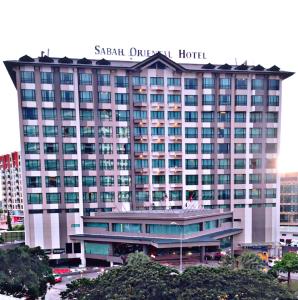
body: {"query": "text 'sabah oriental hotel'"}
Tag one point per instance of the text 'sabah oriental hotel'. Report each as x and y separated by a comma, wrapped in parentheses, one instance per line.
(102, 136)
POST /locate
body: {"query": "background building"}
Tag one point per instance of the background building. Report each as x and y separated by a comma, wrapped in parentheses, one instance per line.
(99, 136)
(11, 182)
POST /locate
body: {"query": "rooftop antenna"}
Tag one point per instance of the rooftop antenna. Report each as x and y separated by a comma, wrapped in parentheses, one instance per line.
(236, 61)
(48, 52)
(42, 53)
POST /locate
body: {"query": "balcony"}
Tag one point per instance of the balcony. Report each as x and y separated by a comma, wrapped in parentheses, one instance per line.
(157, 87)
(140, 137)
(157, 122)
(139, 104)
(139, 87)
(158, 138)
(157, 105)
(174, 88)
(176, 154)
(174, 106)
(140, 121)
(142, 186)
(141, 170)
(141, 154)
(158, 171)
(176, 170)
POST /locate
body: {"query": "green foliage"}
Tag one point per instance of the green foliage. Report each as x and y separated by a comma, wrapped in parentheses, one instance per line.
(137, 258)
(249, 260)
(289, 264)
(151, 281)
(24, 272)
(1, 240)
(229, 261)
(8, 221)
(18, 228)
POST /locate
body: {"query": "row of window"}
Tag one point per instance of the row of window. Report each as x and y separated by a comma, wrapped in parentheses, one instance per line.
(123, 81)
(142, 196)
(124, 132)
(123, 98)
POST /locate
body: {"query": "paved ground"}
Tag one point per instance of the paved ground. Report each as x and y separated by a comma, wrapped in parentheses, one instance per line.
(53, 293)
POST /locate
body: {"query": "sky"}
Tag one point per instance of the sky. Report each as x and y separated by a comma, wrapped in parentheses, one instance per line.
(261, 32)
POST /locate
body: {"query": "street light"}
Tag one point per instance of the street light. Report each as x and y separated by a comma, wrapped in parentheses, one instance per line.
(181, 263)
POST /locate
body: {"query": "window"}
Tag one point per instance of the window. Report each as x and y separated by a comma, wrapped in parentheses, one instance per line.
(33, 181)
(223, 132)
(224, 100)
(175, 179)
(270, 163)
(207, 164)
(174, 147)
(255, 163)
(211, 224)
(86, 115)
(53, 198)
(103, 79)
(139, 98)
(88, 164)
(51, 148)
(31, 130)
(175, 195)
(123, 180)
(85, 78)
(141, 179)
(106, 164)
(239, 194)
(140, 131)
(32, 164)
(90, 197)
(224, 179)
(223, 148)
(208, 99)
(156, 81)
(158, 163)
(257, 100)
(175, 163)
(240, 117)
(255, 178)
(208, 83)
(70, 164)
(107, 196)
(255, 148)
(241, 100)
(174, 98)
(142, 147)
(69, 131)
(240, 133)
(157, 147)
(190, 83)
(207, 116)
(191, 132)
(71, 197)
(105, 148)
(142, 196)
(89, 181)
(255, 132)
(49, 113)
(158, 179)
(121, 81)
(273, 101)
(137, 80)
(255, 193)
(270, 178)
(207, 148)
(224, 163)
(87, 131)
(191, 116)
(207, 195)
(157, 115)
(224, 194)
(107, 131)
(47, 95)
(239, 163)
(29, 113)
(273, 84)
(191, 148)
(156, 98)
(122, 132)
(191, 179)
(223, 116)
(70, 181)
(123, 148)
(174, 81)
(239, 148)
(157, 131)
(136, 228)
(27, 77)
(66, 78)
(272, 117)
(123, 164)
(104, 97)
(28, 95)
(52, 181)
(141, 163)
(239, 179)
(121, 98)
(271, 132)
(270, 193)
(207, 132)
(241, 84)
(68, 114)
(207, 179)
(122, 115)
(191, 100)
(88, 148)
(67, 96)
(34, 198)
(158, 196)
(52, 165)
(70, 148)
(106, 180)
(85, 96)
(140, 114)
(174, 131)
(256, 116)
(257, 84)
(224, 83)
(174, 115)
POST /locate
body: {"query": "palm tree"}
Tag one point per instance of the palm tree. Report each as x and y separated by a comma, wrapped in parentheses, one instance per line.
(249, 260)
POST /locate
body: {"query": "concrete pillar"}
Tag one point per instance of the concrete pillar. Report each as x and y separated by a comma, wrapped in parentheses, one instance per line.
(83, 258)
(145, 249)
(111, 264)
(202, 258)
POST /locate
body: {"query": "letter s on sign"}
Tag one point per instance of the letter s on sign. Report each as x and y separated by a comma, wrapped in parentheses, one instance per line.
(97, 49)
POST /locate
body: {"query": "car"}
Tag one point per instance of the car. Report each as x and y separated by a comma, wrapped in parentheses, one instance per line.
(57, 278)
(272, 261)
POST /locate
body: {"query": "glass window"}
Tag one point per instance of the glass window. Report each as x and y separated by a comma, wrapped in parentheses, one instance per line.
(241, 100)
(190, 83)
(70, 181)
(174, 98)
(89, 164)
(272, 117)
(106, 131)
(47, 95)
(52, 165)
(70, 164)
(158, 195)
(87, 131)
(208, 83)
(85, 96)
(174, 131)
(255, 148)
(207, 195)
(224, 83)
(32, 148)
(157, 131)
(157, 147)
(139, 98)
(273, 101)
(68, 114)
(257, 100)
(223, 116)
(104, 97)
(172, 81)
(270, 193)
(67, 96)
(66, 78)
(142, 196)
(69, 148)
(270, 178)
(174, 115)
(207, 179)
(191, 195)
(27, 77)
(241, 84)
(123, 180)
(255, 163)
(32, 164)
(107, 196)
(224, 194)
(121, 98)
(156, 98)
(207, 148)
(103, 79)
(89, 180)
(50, 131)
(105, 148)
(255, 132)
(106, 164)
(273, 84)
(121, 81)
(223, 148)
(223, 132)
(239, 194)
(271, 132)
(51, 148)
(210, 224)
(106, 180)
(123, 148)
(157, 81)
(49, 113)
(88, 148)
(86, 114)
(140, 131)
(255, 193)
(28, 95)
(137, 80)
(85, 78)
(191, 132)
(52, 181)
(208, 99)
(91, 197)
(191, 116)
(207, 163)
(158, 163)
(175, 147)
(33, 181)
(29, 113)
(191, 179)
(271, 147)
(224, 100)
(207, 132)
(53, 198)
(141, 179)
(141, 147)
(239, 163)
(191, 148)
(175, 179)
(255, 178)
(69, 131)
(122, 115)
(123, 164)
(158, 179)
(31, 130)
(34, 198)
(140, 114)
(159, 115)
(257, 84)
(239, 148)
(207, 116)
(240, 117)
(240, 133)
(141, 163)
(256, 116)
(224, 179)
(175, 195)
(175, 163)
(239, 179)
(191, 100)
(71, 197)
(224, 163)
(122, 132)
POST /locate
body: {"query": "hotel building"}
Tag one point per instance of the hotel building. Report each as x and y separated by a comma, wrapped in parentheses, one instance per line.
(11, 182)
(115, 136)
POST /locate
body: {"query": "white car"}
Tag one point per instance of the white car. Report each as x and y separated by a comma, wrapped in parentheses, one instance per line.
(272, 261)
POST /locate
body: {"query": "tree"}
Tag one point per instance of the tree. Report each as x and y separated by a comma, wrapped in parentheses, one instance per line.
(8, 221)
(24, 272)
(18, 228)
(137, 258)
(249, 260)
(288, 264)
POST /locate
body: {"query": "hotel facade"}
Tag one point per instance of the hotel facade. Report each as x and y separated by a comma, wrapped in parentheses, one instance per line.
(116, 136)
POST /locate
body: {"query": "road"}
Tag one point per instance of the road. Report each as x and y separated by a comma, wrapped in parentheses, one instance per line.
(54, 292)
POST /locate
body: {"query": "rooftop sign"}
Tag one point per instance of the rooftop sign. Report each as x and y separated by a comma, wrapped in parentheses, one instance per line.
(135, 52)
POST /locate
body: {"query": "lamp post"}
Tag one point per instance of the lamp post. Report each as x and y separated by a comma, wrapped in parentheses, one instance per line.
(181, 262)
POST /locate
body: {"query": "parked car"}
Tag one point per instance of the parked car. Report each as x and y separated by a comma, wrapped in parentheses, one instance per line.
(272, 261)
(57, 278)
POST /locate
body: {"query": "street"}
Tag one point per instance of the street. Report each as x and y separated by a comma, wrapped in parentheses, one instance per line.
(54, 292)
